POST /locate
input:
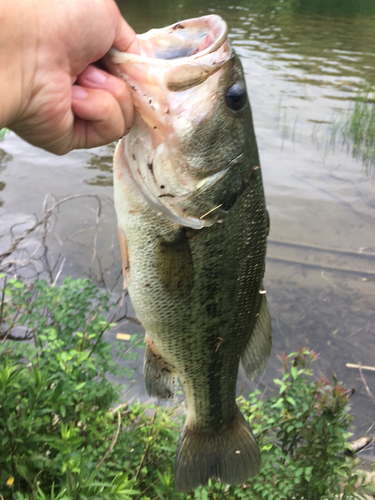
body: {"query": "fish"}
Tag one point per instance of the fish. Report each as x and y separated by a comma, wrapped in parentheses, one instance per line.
(193, 226)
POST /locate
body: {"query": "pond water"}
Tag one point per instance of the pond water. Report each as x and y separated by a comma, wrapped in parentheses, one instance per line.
(304, 63)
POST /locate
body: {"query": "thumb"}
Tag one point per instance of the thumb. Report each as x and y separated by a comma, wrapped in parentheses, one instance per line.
(126, 38)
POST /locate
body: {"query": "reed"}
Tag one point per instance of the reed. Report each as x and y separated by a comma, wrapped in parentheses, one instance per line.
(357, 132)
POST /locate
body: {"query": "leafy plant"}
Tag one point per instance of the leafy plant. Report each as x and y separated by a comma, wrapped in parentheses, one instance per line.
(54, 392)
(303, 433)
(61, 438)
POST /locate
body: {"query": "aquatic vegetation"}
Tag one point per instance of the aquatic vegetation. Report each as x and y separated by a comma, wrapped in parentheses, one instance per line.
(357, 132)
(60, 439)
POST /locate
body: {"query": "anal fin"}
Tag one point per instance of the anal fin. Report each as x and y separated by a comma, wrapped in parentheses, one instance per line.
(160, 377)
(259, 346)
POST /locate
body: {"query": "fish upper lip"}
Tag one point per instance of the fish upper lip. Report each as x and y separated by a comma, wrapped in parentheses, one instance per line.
(126, 57)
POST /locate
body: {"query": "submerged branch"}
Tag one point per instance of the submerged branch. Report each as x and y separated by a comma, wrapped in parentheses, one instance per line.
(30, 251)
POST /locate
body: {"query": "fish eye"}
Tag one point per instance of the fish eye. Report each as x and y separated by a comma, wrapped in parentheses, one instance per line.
(236, 97)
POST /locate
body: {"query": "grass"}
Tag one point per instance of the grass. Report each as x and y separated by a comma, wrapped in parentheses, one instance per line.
(357, 132)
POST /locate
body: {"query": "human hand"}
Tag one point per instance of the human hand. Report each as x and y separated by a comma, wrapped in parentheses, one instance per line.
(47, 46)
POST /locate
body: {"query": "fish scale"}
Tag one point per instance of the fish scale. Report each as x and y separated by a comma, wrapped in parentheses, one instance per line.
(193, 231)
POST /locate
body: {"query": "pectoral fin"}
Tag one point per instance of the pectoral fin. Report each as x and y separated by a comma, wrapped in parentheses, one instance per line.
(259, 346)
(160, 377)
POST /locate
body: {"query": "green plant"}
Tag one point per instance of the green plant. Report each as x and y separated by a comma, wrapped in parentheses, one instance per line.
(61, 440)
(3, 131)
(54, 392)
(358, 129)
(303, 434)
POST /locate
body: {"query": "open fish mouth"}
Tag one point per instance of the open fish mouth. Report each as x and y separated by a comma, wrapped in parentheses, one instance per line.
(181, 43)
(175, 83)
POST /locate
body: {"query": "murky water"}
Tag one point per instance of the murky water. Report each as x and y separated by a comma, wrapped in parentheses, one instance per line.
(304, 62)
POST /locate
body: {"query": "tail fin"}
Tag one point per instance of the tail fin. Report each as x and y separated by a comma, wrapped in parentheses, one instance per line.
(231, 455)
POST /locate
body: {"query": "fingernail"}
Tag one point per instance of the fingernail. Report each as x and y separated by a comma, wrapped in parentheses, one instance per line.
(94, 75)
(78, 92)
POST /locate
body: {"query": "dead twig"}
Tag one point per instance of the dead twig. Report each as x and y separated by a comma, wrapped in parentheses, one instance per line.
(46, 221)
(18, 240)
(370, 368)
(2, 302)
(147, 447)
(59, 272)
(30, 254)
(113, 442)
(119, 407)
(365, 383)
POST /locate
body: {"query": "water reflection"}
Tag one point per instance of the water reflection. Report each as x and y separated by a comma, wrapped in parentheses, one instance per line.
(332, 8)
(313, 44)
(104, 164)
(2, 186)
(5, 158)
(312, 51)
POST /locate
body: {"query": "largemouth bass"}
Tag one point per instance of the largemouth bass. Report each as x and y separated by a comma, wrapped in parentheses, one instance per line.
(193, 226)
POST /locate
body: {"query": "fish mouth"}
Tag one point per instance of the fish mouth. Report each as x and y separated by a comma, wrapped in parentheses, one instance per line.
(170, 61)
(178, 48)
(180, 40)
(181, 43)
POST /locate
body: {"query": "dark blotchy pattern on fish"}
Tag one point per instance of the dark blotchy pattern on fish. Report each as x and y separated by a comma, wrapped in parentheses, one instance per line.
(205, 286)
(197, 292)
